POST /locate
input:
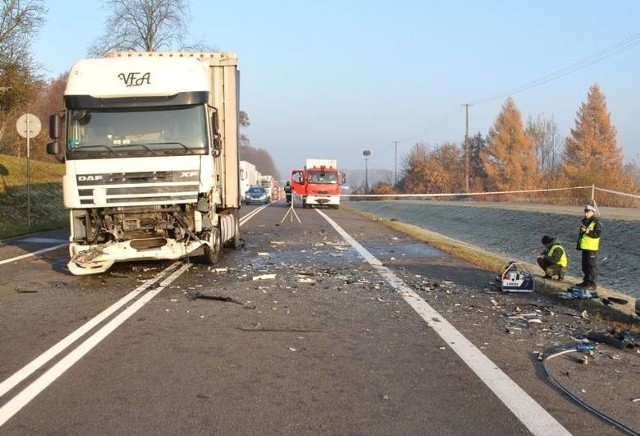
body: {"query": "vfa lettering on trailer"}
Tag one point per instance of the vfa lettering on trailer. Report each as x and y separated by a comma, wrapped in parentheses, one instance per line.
(135, 79)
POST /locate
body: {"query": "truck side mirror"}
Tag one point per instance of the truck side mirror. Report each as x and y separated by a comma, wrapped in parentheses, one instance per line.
(54, 126)
(53, 148)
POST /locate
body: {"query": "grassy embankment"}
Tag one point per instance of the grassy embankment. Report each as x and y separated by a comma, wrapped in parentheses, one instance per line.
(47, 211)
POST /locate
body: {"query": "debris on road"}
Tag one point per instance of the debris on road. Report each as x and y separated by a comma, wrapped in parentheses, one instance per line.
(264, 277)
(200, 296)
(578, 294)
(616, 339)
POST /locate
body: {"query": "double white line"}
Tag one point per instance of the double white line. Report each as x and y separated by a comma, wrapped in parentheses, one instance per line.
(150, 288)
(14, 405)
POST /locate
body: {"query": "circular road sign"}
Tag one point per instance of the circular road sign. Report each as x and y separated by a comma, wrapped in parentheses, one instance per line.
(28, 126)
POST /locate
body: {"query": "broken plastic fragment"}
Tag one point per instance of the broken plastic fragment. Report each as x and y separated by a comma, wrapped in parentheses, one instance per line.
(265, 277)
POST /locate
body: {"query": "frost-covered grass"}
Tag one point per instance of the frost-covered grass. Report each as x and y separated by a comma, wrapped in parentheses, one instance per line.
(487, 235)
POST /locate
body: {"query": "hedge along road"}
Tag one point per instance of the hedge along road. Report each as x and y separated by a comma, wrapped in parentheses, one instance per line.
(515, 231)
(527, 411)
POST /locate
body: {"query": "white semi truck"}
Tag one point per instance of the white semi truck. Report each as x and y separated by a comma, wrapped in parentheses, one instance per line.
(249, 177)
(150, 145)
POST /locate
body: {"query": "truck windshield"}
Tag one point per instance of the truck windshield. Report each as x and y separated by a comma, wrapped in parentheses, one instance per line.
(323, 177)
(143, 131)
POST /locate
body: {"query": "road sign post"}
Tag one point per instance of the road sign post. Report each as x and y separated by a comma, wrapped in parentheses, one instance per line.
(28, 126)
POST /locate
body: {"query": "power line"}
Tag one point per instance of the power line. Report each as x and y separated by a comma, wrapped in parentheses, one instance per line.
(612, 50)
(438, 123)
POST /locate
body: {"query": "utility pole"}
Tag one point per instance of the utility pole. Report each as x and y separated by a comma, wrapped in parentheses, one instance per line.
(395, 164)
(466, 147)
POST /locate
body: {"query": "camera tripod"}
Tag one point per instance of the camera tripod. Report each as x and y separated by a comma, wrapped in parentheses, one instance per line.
(291, 212)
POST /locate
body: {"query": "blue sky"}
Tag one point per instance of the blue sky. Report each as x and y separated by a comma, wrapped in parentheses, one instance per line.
(331, 78)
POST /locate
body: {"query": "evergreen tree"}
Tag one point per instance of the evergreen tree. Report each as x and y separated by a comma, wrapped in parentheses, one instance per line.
(510, 157)
(592, 154)
(477, 173)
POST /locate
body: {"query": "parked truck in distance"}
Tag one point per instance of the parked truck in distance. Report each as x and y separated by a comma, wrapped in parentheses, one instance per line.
(249, 176)
(267, 183)
(150, 145)
(318, 184)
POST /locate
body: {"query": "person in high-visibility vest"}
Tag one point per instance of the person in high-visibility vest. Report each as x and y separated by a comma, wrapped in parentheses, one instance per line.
(553, 260)
(589, 244)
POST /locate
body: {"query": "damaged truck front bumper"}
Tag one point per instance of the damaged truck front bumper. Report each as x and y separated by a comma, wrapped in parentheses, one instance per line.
(96, 259)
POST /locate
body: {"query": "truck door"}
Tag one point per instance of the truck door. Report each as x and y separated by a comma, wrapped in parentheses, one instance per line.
(298, 182)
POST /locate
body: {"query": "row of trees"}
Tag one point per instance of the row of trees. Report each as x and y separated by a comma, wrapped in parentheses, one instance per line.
(515, 156)
(511, 157)
(136, 25)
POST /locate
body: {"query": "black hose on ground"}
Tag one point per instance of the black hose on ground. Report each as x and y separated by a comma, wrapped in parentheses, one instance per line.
(575, 398)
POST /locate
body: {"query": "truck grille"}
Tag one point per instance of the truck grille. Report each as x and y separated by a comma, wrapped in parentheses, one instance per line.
(140, 188)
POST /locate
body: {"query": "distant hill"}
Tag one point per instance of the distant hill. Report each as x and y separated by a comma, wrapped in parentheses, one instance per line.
(47, 211)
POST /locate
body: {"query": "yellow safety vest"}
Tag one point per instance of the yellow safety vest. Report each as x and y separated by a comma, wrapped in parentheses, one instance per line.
(589, 243)
(564, 260)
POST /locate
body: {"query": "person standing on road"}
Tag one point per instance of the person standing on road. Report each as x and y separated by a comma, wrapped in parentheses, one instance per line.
(589, 243)
(553, 260)
(288, 189)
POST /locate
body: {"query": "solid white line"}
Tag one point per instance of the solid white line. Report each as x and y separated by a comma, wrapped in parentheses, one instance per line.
(35, 253)
(27, 370)
(14, 405)
(525, 408)
(39, 240)
(33, 366)
(251, 214)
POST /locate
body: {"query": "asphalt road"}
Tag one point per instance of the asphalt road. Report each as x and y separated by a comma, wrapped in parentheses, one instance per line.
(310, 329)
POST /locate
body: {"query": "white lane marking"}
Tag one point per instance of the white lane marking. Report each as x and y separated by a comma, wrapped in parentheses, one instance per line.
(52, 352)
(35, 253)
(251, 214)
(14, 405)
(40, 240)
(525, 408)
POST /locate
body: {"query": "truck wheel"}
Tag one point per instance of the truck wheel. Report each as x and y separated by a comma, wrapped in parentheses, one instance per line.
(214, 248)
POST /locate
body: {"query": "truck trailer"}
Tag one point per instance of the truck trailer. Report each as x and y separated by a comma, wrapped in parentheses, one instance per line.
(318, 184)
(249, 177)
(266, 181)
(150, 145)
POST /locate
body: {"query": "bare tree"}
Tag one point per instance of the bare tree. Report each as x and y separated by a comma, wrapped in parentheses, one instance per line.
(544, 134)
(20, 21)
(145, 25)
